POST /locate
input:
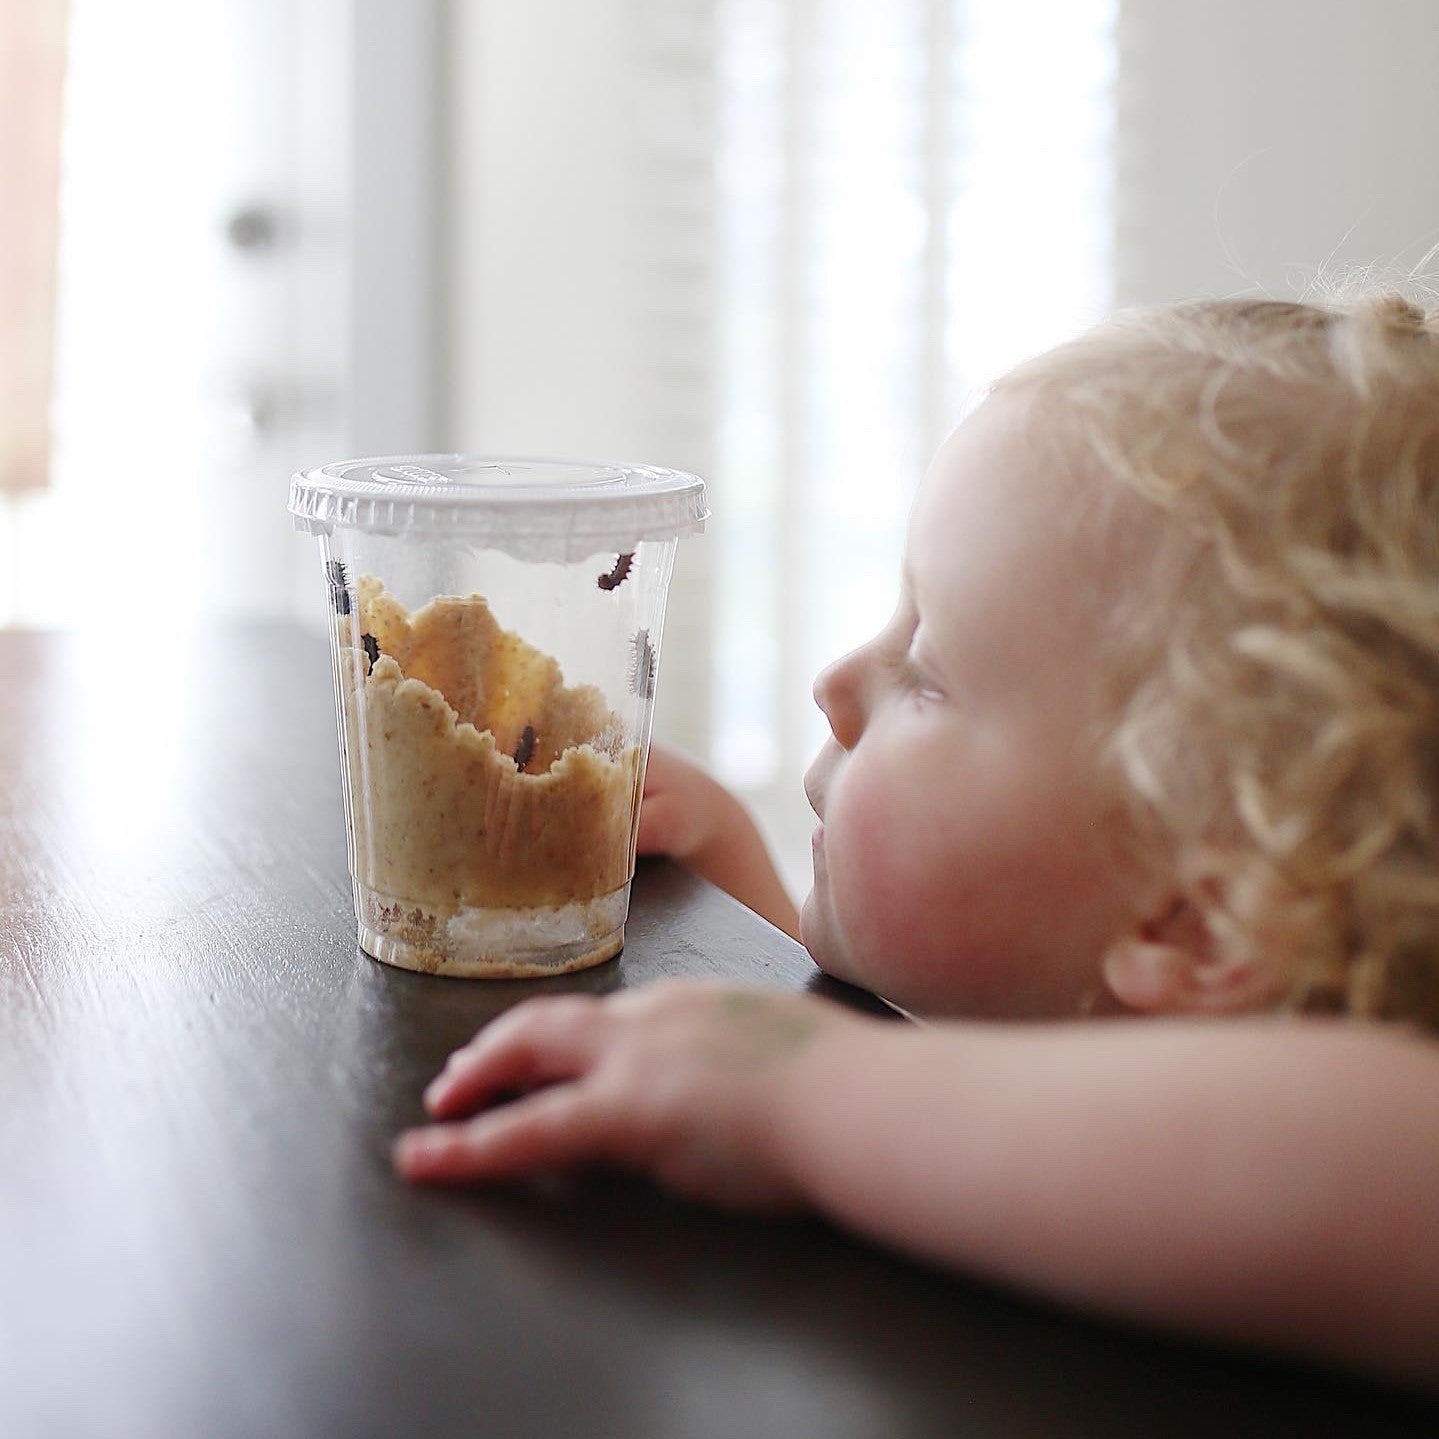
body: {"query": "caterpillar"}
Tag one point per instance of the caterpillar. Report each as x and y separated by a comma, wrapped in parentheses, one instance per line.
(339, 582)
(642, 665)
(619, 574)
(372, 648)
(525, 750)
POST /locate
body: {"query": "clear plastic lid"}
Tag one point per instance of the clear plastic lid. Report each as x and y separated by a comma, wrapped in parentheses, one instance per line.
(532, 509)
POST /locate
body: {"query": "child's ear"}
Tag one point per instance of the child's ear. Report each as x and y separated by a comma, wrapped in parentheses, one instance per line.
(1173, 963)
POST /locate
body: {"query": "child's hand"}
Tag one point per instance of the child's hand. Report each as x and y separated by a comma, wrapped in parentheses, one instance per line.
(681, 1080)
(683, 810)
(691, 817)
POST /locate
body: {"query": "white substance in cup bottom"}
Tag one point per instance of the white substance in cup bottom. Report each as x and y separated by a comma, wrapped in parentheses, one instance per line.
(508, 932)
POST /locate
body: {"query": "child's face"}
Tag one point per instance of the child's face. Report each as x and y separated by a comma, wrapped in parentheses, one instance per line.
(963, 863)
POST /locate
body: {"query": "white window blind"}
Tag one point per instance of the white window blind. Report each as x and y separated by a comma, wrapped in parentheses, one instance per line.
(911, 197)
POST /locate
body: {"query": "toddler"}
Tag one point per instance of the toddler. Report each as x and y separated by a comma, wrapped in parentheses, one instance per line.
(1153, 732)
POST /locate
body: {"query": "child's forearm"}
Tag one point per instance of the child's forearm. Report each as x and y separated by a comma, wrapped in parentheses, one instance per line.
(738, 861)
(687, 814)
(1271, 1183)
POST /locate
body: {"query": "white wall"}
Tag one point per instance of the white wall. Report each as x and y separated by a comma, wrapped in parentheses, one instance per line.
(578, 227)
(1260, 140)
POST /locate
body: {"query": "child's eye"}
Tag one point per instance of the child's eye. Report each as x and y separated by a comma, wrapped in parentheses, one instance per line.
(913, 680)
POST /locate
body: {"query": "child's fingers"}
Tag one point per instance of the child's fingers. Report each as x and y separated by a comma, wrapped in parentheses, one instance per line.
(553, 1129)
(535, 1043)
(662, 816)
(660, 767)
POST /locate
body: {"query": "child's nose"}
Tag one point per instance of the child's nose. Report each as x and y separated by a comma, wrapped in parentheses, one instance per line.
(839, 692)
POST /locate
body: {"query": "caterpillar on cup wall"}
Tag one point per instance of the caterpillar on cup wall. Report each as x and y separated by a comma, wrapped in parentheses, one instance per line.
(339, 581)
(642, 665)
(617, 576)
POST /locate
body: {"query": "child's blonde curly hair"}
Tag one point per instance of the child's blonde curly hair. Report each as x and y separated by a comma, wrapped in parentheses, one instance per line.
(1276, 660)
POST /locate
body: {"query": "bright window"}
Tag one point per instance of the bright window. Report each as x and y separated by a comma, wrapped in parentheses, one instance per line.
(913, 196)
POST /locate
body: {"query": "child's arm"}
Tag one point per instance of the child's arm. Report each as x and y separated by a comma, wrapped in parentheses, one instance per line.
(1268, 1182)
(695, 820)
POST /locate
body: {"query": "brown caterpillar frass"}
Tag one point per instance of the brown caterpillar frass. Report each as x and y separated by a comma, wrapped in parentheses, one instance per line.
(525, 750)
(619, 574)
(642, 665)
(339, 581)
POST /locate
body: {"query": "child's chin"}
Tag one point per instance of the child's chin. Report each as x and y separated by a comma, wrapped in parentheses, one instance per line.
(811, 927)
(816, 933)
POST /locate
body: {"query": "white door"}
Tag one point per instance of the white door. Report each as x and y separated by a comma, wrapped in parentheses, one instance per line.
(209, 326)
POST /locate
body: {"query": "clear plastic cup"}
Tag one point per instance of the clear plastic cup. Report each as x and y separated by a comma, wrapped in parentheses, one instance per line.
(495, 631)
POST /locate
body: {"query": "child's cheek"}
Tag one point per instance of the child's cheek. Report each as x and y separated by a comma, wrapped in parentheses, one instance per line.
(918, 922)
(875, 874)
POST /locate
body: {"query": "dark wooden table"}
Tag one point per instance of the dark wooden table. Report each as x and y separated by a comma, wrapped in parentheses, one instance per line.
(200, 1075)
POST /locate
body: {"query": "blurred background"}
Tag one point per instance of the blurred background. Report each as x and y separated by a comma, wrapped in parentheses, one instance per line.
(783, 243)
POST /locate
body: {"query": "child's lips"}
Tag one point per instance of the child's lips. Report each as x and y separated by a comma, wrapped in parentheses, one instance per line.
(818, 776)
(814, 792)
(817, 862)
